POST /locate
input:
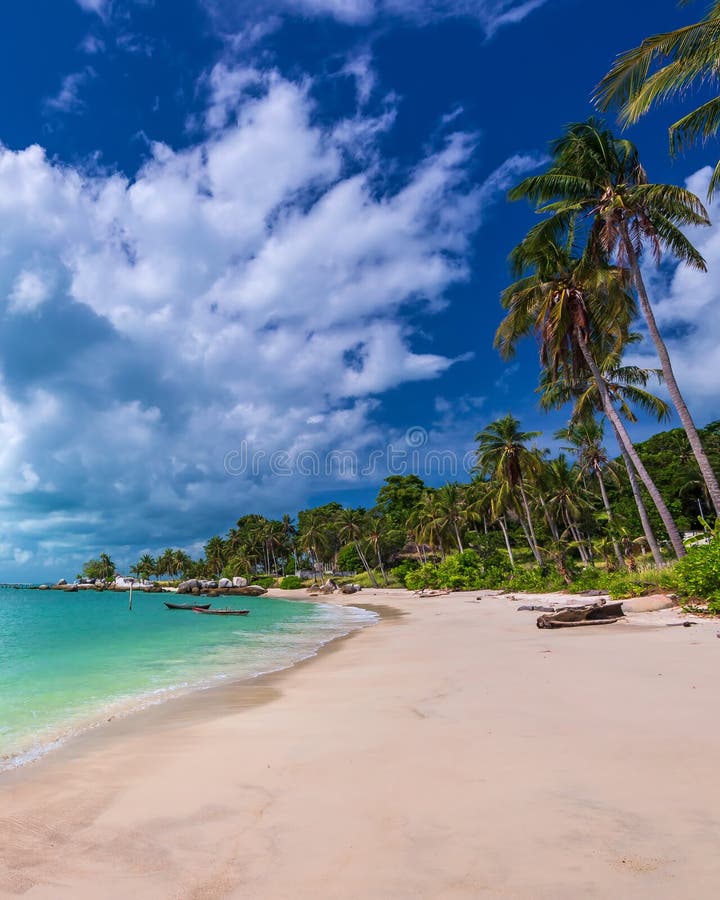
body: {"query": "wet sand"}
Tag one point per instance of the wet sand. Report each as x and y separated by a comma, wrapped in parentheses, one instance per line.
(454, 751)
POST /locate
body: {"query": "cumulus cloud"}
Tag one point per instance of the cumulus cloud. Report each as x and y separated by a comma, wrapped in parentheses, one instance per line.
(230, 293)
(687, 308)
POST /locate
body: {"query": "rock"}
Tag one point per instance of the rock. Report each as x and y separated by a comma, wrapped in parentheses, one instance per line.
(349, 589)
(70, 588)
(252, 590)
(225, 583)
(239, 581)
(187, 587)
(62, 581)
(209, 585)
(647, 604)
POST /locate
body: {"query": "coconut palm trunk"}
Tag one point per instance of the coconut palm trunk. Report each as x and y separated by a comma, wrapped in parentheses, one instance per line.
(676, 396)
(640, 503)
(366, 565)
(608, 510)
(532, 540)
(625, 441)
(503, 528)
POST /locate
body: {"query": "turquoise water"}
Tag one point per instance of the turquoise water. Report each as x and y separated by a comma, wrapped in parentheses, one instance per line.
(67, 660)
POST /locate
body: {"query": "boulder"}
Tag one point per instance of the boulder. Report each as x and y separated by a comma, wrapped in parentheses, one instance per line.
(62, 581)
(252, 590)
(70, 588)
(349, 589)
(44, 587)
(187, 587)
(225, 583)
(647, 604)
(239, 581)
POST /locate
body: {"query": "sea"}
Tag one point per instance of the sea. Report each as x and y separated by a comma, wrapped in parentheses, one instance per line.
(69, 661)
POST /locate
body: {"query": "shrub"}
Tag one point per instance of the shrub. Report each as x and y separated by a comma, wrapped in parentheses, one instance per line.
(398, 573)
(535, 580)
(291, 583)
(698, 573)
(424, 577)
(464, 571)
(265, 581)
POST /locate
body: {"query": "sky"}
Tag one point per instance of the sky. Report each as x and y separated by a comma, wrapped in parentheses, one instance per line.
(251, 253)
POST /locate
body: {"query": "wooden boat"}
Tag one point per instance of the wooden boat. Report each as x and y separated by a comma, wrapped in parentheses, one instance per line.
(221, 612)
(203, 606)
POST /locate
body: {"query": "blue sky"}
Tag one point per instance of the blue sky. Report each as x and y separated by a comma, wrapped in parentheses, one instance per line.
(233, 229)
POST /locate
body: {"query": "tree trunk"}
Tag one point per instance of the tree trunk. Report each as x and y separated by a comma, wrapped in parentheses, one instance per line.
(366, 566)
(621, 431)
(503, 526)
(640, 503)
(608, 510)
(678, 401)
(380, 562)
(457, 536)
(531, 531)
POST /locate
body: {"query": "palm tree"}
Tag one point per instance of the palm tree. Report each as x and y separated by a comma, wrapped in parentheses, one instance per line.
(145, 566)
(625, 386)
(585, 440)
(450, 505)
(182, 562)
(502, 454)
(491, 499)
(313, 536)
(567, 502)
(597, 176)
(575, 305)
(215, 555)
(663, 67)
(108, 566)
(375, 534)
(353, 529)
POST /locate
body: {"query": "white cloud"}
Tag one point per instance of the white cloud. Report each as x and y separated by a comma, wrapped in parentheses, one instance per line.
(230, 292)
(68, 97)
(491, 14)
(30, 289)
(101, 7)
(687, 308)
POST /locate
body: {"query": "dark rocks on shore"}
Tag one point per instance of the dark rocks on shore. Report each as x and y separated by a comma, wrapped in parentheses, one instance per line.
(188, 587)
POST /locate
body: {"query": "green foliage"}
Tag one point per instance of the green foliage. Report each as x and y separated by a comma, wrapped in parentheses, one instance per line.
(291, 583)
(424, 577)
(265, 581)
(698, 573)
(464, 571)
(348, 559)
(399, 572)
(100, 568)
(535, 580)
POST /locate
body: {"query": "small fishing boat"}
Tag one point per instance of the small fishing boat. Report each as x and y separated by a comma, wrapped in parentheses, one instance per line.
(202, 606)
(221, 612)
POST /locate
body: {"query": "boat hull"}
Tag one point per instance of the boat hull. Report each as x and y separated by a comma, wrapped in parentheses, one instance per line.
(221, 612)
(203, 606)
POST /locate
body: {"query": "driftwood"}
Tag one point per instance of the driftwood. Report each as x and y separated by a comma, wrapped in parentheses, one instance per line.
(573, 617)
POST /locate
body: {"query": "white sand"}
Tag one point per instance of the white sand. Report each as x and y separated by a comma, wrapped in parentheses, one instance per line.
(454, 752)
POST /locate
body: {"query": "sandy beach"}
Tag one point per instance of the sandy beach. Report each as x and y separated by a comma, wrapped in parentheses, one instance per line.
(451, 751)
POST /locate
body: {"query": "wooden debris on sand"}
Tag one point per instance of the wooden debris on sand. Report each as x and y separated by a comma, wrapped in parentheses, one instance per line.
(575, 616)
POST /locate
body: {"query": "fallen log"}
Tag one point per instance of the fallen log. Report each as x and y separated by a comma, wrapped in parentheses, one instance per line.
(598, 614)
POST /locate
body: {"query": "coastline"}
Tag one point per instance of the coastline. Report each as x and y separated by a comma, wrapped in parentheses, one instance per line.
(453, 750)
(146, 700)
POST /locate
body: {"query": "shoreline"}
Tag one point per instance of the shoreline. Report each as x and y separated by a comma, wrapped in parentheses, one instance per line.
(149, 701)
(460, 749)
